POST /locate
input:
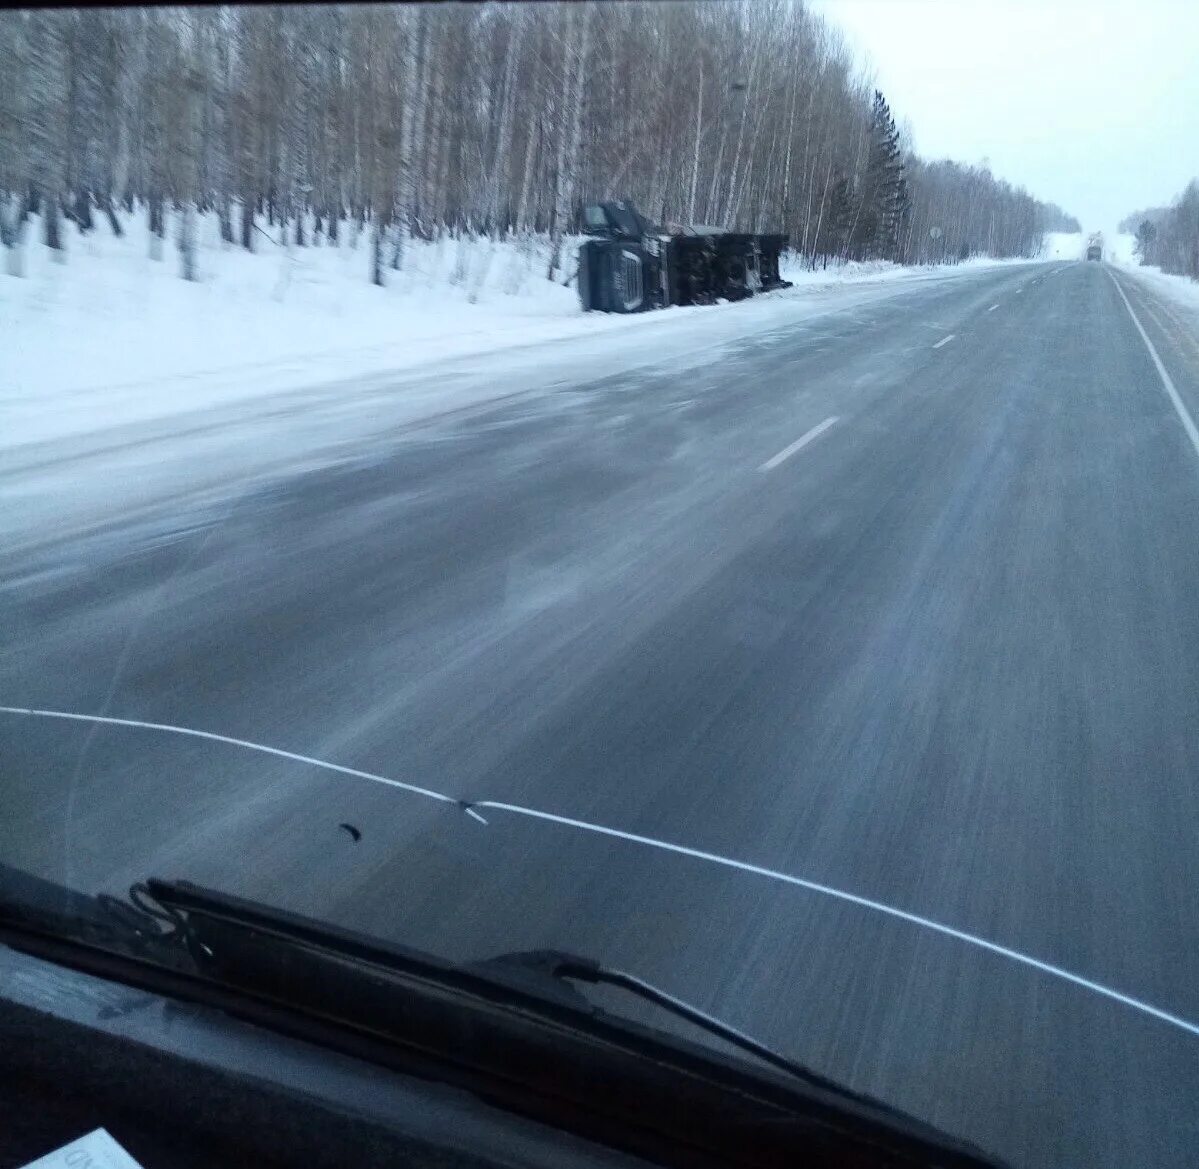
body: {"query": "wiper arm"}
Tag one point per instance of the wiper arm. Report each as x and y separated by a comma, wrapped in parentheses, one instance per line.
(544, 966)
(583, 970)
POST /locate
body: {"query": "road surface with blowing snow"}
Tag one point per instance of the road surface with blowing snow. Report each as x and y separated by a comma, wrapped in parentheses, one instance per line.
(898, 599)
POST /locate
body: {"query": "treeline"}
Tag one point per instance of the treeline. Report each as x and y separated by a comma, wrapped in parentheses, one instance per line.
(1168, 237)
(416, 120)
(973, 212)
(1129, 224)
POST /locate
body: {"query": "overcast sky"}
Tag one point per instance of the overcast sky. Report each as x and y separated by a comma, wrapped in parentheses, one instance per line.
(1092, 104)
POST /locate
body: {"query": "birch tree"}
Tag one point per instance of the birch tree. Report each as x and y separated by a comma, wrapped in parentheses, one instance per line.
(566, 170)
(398, 121)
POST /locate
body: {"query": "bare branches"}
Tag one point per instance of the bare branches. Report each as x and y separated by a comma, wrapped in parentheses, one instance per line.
(1168, 237)
(423, 120)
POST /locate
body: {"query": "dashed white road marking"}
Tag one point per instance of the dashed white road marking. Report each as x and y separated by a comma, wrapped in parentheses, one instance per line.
(944, 341)
(1184, 415)
(797, 445)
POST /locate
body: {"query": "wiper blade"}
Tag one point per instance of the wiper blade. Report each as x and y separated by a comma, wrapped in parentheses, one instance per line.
(518, 1030)
(584, 970)
(515, 1030)
(570, 968)
(515, 969)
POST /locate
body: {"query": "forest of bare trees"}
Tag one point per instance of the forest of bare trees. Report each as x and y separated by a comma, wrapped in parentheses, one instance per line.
(409, 121)
(1168, 237)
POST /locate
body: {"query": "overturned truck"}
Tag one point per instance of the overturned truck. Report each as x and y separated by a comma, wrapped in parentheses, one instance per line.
(630, 265)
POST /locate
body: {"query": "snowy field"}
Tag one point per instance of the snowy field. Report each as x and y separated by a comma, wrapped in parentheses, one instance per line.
(1180, 289)
(111, 337)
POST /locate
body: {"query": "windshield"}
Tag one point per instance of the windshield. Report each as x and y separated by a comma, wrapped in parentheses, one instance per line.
(791, 605)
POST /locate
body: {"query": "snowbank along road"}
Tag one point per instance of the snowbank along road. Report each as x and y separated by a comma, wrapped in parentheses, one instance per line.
(895, 598)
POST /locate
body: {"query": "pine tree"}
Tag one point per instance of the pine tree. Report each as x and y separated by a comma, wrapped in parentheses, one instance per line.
(1146, 234)
(884, 192)
(842, 213)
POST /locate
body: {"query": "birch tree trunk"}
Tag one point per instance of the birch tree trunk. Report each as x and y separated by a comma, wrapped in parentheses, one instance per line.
(569, 142)
(414, 94)
(699, 124)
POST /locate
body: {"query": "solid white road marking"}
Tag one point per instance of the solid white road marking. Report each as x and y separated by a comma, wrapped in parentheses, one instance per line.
(797, 445)
(1184, 416)
(944, 341)
(992, 308)
(470, 807)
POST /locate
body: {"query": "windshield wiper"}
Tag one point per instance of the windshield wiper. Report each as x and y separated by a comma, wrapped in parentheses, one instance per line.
(515, 1030)
(574, 969)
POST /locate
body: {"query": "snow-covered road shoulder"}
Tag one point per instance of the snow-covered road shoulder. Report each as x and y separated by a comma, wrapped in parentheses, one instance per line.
(112, 338)
(129, 392)
(1179, 290)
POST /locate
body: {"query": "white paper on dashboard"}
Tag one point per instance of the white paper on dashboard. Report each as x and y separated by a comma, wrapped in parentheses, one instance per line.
(97, 1150)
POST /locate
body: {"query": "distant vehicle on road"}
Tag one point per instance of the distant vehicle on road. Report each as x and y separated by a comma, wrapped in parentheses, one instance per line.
(1094, 252)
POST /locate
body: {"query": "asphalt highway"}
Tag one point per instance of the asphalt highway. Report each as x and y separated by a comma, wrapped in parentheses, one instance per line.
(900, 600)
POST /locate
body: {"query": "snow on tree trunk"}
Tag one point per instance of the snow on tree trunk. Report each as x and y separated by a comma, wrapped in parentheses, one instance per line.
(187, 242)
(247, 225)
(53, 226)
(157, 225)
(377, 232)
(110, 214)
(15, 225)
(225, 218)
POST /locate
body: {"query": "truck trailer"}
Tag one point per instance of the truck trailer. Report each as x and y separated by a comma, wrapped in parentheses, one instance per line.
(630, 266)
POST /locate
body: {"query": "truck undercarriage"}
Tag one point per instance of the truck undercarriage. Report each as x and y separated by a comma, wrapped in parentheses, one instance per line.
(631, 266)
